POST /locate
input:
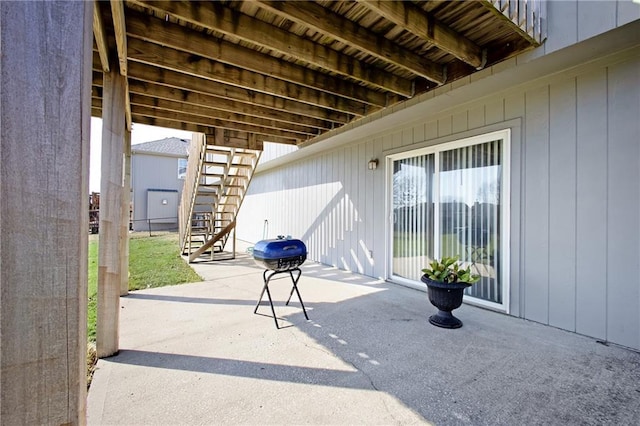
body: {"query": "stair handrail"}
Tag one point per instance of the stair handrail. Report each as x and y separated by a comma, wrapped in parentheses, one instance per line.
(197, 150)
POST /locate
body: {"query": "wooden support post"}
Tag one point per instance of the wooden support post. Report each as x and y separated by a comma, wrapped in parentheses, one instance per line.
(109, 250)
(126, 209)
(45, 111)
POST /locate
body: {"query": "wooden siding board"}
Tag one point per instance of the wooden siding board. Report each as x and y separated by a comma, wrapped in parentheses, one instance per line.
(562, 205)
(476, 117)
(430, 130)
(369, 224)
(459, 122)
(379, 208)
(351, 191)
(387, 142)
(336, 197)
(330, 209)
(318, 202)
(310, 198)
(302, 218)
(595, 17)
(536, 204)
(623, 215)
(514, 106)
(311, 202)
(562, 25)
(628, 11)
(328, 182)
(355, 200)
(418, 133)
(320, 218)
(445, 126)
(591, 225)
(397, 139)
(348, 210)
(407, 137)
(515, 234)
(494, 111)
(361, 197)
(339, 167)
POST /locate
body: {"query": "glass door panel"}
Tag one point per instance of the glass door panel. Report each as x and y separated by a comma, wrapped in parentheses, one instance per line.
(470, 183)
(413, 218)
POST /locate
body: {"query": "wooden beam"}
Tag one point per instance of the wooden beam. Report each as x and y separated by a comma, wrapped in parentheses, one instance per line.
(200, 99)
(419, 23)
(120, 33)
(150, 121)
(170, 124)
(175, 60)
(171, 35)
(333, 25)
(196, 84)
(210, 113)
(100, 37)
(44, 175)
(223, 105)
(212, 122)
(215, 16)
(109, 265)
(125, 212)
(234, 139)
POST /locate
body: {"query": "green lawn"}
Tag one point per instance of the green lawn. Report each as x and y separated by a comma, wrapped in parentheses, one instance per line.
(153, 262)
(449, 246)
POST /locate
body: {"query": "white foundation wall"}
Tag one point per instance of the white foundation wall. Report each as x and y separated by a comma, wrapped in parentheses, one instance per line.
(575, 193)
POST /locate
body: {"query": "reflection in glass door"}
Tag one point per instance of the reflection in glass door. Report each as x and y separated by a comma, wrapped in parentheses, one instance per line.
(448, 201)
(470, 182)
(413, 215)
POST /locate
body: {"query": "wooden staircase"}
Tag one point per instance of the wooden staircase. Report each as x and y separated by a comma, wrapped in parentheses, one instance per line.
(215, 185)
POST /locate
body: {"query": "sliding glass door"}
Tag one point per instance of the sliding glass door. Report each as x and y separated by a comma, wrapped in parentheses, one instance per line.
(413, 215)
(450, 200)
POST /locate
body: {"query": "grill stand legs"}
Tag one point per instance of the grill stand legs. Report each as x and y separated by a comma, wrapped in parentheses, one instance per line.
(294, 288)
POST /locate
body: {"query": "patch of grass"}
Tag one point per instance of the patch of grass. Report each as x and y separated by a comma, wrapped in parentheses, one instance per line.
(154, 261)
(93, 288)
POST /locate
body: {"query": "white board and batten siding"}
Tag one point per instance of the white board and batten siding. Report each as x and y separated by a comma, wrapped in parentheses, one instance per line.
(575, 192)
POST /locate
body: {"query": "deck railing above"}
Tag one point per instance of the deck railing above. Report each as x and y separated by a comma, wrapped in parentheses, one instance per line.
(529, 16)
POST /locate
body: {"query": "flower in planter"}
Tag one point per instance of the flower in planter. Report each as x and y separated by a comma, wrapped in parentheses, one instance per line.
(449, 270)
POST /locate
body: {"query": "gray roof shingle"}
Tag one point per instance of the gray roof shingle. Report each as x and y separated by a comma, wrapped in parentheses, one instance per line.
(170, 146)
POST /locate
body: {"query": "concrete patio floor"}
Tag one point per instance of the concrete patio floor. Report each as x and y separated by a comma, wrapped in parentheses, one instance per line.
(195, 354)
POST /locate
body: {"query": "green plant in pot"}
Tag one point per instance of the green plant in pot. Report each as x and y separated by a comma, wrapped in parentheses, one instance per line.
(446, 281)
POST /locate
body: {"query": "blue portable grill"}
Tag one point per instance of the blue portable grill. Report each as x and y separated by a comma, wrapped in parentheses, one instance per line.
(280, 255)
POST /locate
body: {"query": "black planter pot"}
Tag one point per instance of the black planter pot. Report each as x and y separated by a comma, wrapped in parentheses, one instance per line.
(446, 297)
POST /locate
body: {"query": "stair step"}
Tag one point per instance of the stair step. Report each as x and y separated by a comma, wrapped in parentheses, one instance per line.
(225, 165)
(218, 175)
(218, 185)
(213, 149)
(199, 230)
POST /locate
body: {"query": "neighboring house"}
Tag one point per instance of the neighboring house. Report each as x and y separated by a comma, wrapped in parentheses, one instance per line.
(528, 169)
(158, 170)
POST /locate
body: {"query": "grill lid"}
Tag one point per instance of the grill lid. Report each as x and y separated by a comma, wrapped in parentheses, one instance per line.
(280, 253)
